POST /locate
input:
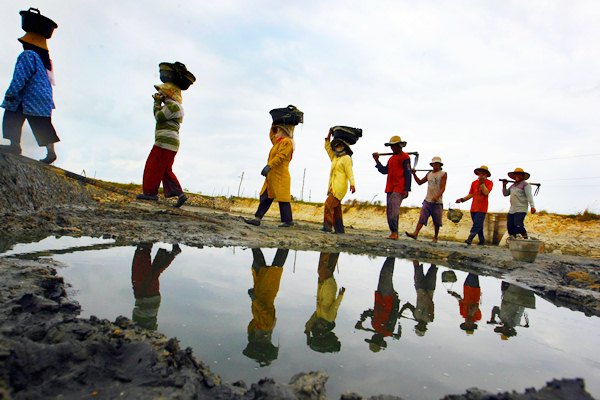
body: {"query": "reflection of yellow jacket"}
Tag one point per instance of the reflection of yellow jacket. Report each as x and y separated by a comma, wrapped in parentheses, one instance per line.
(266, 286)
(278, 179)
(327, 302)
(340, 173)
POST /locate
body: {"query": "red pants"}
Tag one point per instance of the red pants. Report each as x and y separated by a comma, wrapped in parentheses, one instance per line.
(158, 168)
(332, 217)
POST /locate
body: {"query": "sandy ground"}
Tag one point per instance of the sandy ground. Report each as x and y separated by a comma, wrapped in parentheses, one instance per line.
(39, 201)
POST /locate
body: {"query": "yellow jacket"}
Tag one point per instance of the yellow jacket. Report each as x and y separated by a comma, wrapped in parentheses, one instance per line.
(278, 181)
(340, 173)
(266, 286)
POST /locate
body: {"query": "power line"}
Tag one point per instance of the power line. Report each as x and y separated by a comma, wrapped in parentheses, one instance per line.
(521, 162)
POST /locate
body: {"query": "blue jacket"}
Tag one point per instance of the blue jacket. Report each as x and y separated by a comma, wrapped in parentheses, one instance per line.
(30, 87)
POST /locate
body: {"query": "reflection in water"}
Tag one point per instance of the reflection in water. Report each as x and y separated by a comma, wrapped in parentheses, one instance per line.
(515, 300)
(423, 312)
(469, 303)
(146, 287)
(319, 328)
(384, 315)
(266, 285)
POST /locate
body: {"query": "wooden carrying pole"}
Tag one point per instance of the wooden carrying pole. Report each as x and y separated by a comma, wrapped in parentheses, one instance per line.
(537, 190)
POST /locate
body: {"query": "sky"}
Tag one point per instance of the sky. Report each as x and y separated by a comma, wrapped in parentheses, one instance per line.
(502, 83)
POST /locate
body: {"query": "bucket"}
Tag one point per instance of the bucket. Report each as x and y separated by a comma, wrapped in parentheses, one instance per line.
(524, 249)
(347, 134)
(289, 115)
(33, 21)
(177, 73)
(495, 227)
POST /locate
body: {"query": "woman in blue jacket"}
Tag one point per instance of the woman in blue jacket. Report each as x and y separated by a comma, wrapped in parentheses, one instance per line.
(29, 97)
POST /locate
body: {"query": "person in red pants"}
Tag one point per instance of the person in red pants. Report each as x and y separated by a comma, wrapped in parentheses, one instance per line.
(169, 115)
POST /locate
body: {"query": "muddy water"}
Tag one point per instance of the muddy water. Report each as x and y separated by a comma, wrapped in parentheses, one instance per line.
(399, 327)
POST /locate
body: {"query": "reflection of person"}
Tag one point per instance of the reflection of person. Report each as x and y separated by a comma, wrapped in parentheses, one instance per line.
(512, 309)
(319, 328)
(433, 205)
(168, 113)
(277, 184)
(266, 285)
(423, 312)
(340, 175)
(480, 190)
(29, 96)
(520, 199)
(398, 181)
(385, 313)
(469, 303)
(146, 287)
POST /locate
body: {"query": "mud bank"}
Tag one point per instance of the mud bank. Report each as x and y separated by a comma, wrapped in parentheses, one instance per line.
(40, 328)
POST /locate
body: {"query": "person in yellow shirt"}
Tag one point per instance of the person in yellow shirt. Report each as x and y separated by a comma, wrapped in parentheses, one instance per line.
(340, 175)
(319, 328)
(266, 286)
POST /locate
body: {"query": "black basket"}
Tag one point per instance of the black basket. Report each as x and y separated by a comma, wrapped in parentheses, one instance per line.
(289, 115)
(33, 21)
(177, 73)
(347, 134)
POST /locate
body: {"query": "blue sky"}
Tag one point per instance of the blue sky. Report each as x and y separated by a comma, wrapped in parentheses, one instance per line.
(503, 83)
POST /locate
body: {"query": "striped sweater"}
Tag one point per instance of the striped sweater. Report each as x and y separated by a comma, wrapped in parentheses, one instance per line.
(168, 119)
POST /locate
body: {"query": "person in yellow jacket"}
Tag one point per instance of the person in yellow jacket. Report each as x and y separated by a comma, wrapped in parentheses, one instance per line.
(339, 175)
(277, 176)
(266, 286)
(319, 328)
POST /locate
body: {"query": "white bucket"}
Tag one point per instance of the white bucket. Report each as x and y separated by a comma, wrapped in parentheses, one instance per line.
(524, 249)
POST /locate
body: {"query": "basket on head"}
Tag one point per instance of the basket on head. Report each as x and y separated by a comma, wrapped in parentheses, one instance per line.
(176, 73)
(33, 21)
(289, 115)
(347, 134)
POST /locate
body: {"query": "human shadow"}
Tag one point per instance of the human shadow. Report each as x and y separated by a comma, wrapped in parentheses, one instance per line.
(511, 312)
(385, 312)
(145, 275)
(266, 280)
(423, 310)
(469, 302)
(319, 328)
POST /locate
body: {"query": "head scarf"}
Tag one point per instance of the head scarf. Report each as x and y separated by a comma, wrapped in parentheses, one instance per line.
(171, 90)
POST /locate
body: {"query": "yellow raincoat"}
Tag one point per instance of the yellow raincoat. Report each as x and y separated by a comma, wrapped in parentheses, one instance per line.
(266, 286)
(278, 181)
(340, 173)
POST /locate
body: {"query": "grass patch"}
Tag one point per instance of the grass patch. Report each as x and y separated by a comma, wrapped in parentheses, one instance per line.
(585, 216)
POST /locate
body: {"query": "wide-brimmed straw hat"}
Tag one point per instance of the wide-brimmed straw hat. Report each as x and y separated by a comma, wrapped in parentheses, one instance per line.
(171, 90)
(436, 159)
(396, 140)
(526, 175)
(345, 144)
(35, 39)
(483, 169)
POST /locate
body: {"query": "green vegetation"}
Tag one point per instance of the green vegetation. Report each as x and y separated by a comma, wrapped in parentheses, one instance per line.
(585, 216)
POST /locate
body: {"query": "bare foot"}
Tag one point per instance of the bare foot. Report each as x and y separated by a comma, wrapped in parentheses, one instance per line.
(434, 240)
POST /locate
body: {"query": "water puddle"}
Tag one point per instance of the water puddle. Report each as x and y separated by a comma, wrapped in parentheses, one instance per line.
(375, 325)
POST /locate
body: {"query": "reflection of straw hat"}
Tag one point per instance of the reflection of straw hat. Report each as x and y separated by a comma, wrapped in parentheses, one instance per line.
(396, 140)
(171, 90)
(483, 169)
(436, 159)
(526, 175)
(35, 39)
(376, 343)
(468, 328)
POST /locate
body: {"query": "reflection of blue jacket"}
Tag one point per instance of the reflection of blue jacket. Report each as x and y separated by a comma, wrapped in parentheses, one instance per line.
(30, 87)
